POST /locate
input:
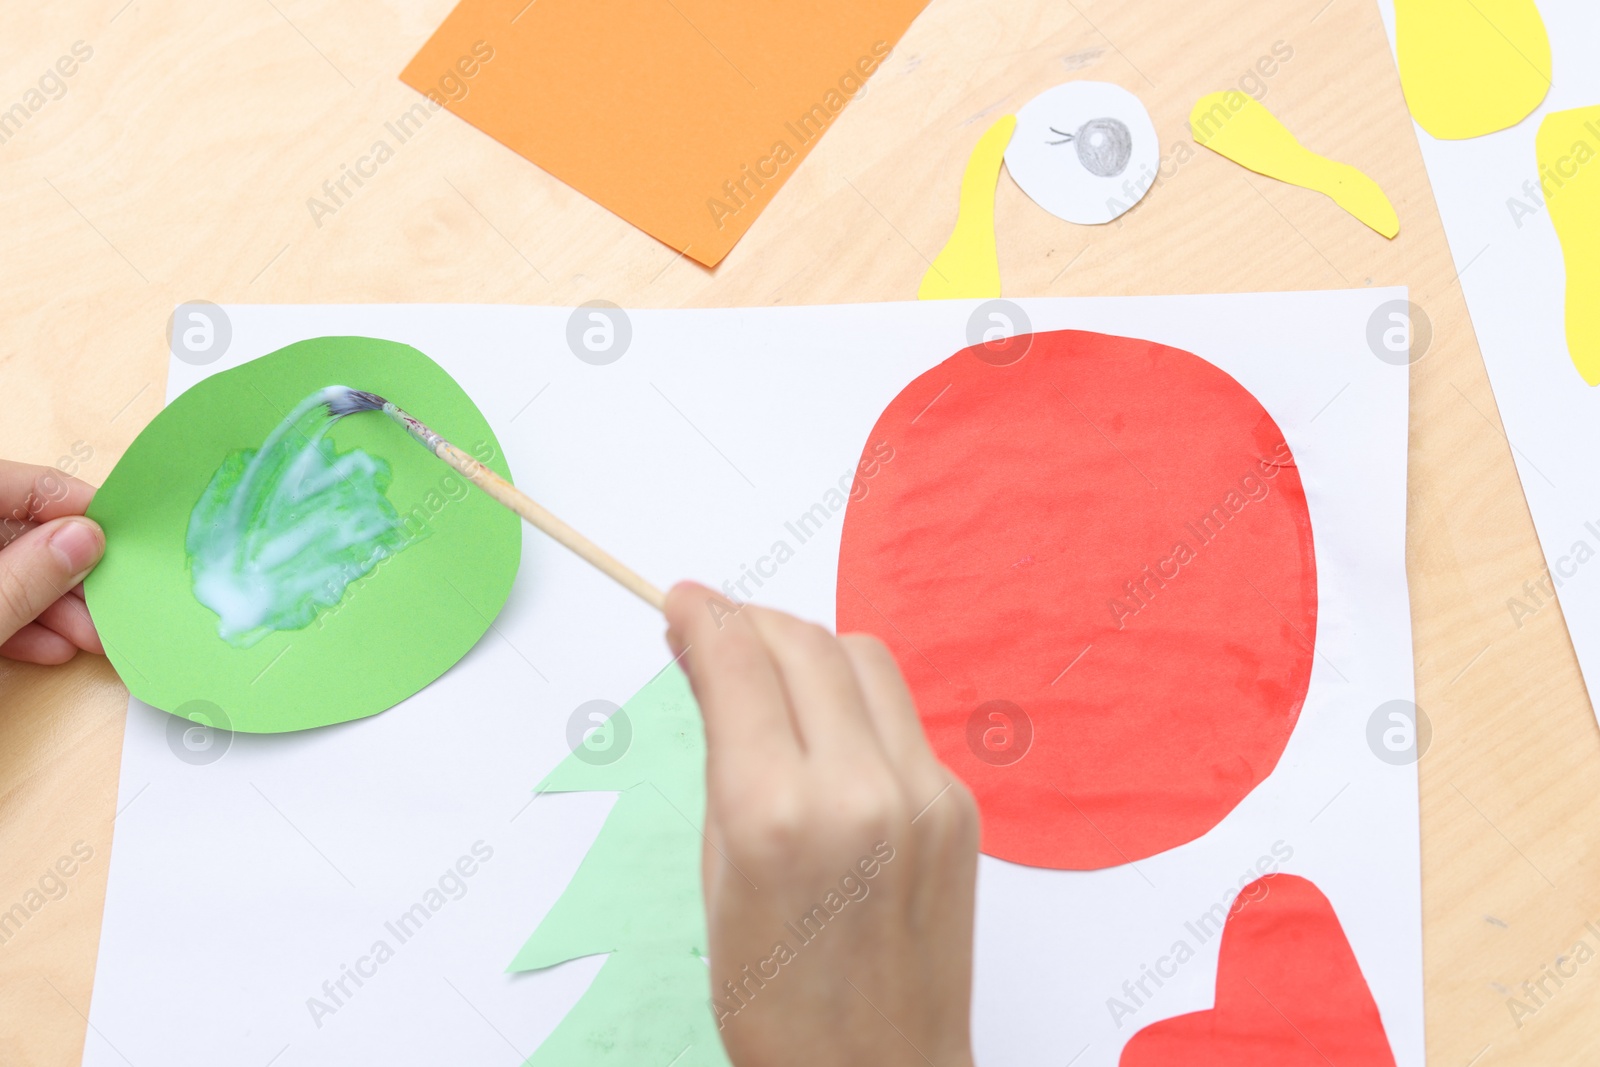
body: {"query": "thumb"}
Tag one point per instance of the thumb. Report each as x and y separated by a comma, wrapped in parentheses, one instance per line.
(43, 565)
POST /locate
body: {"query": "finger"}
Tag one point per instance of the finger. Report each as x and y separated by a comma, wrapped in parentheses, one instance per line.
(828, 705)
(893, 713)
(69, 617)
(11, 529)
(39, 494)
(735, 681)
(35, 644)
(39, 567)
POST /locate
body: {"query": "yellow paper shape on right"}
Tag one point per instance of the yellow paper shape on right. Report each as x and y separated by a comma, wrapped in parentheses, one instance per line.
(1568, 148)
(1471, 67)
(1235, 125)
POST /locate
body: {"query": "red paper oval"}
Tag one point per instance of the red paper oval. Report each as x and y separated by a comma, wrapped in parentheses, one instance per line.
(1110, 535)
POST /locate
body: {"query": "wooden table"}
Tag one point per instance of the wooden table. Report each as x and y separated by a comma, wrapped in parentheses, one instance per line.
(178, 163)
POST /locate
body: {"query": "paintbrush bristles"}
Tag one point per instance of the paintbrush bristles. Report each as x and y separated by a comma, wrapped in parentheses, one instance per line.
(342, 400)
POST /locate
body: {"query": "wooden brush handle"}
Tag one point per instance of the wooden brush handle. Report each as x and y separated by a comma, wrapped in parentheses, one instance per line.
(541, 517)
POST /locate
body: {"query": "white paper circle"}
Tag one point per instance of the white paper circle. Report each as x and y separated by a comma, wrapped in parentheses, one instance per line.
(1084, 151)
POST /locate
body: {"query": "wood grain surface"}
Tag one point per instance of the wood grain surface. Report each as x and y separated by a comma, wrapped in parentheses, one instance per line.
(178, 162)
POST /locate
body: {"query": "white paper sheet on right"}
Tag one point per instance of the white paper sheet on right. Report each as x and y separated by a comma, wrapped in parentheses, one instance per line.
(1512, 272)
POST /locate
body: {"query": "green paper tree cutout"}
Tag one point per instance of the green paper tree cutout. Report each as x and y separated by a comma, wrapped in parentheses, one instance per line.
(636, 897)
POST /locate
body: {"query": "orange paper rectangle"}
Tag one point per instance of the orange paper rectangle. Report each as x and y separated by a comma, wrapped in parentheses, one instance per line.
(682, 116)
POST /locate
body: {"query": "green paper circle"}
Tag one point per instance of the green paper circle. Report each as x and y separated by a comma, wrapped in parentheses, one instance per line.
(394, 631)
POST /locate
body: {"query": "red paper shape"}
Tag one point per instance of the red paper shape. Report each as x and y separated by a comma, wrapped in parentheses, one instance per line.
(1035, 485)
(1289, 993)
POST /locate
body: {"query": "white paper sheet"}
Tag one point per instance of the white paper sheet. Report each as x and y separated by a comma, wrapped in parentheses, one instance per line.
(1514, 279)
(240, 886)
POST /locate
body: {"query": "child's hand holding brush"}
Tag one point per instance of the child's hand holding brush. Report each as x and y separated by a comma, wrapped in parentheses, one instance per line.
(840, 855)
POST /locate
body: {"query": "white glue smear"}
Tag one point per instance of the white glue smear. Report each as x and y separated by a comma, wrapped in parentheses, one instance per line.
(282, 530)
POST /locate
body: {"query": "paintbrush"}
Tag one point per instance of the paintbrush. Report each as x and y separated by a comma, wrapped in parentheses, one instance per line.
(342, 400)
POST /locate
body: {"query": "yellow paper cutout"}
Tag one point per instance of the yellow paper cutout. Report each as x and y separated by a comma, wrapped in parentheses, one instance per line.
(1471, 67)
(969, 266)
(1239, 127)
(1569, 174)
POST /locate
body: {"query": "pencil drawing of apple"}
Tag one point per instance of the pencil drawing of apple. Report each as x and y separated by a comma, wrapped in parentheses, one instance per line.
(1095, 566)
